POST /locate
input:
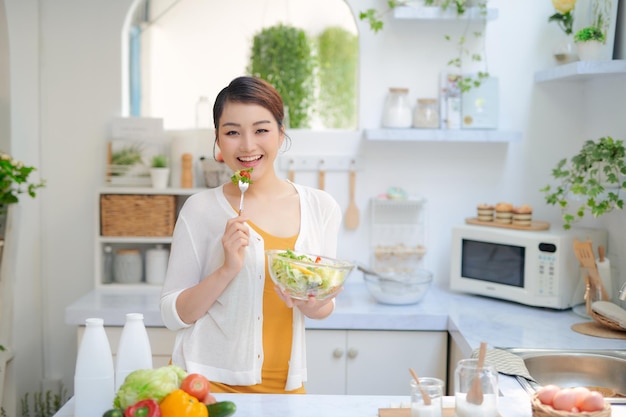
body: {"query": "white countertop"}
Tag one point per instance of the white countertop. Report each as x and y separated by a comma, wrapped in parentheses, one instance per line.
(469, 319)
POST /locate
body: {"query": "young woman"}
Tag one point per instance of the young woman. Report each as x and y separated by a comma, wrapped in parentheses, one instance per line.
(234, 326)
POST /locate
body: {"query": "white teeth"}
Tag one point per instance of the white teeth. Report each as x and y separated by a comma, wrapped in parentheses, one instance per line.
(248, 159)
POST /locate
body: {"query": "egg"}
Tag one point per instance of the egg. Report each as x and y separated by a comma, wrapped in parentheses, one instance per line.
(564, 400)
(546, 394)
(594, 401)
(581, 394)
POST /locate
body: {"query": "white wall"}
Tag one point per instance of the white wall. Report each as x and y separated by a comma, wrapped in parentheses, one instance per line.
(66, 87)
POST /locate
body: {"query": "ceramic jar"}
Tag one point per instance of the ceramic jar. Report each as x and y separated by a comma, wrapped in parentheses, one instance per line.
(397, 111)
(128, 266)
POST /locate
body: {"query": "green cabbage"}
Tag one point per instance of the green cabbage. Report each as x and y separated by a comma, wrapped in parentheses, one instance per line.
(148, 383)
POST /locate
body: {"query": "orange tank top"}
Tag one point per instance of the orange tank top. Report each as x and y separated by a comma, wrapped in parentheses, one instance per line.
(277, 333)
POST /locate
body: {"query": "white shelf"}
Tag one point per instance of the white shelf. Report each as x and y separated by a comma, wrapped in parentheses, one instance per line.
(582, 70)
(150, 240)
(436, 13)
(441, 135)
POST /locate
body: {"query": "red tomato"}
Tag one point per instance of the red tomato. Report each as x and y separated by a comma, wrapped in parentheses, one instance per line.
(196, 385)
(318, 260)
(594, 401)
(245, 174)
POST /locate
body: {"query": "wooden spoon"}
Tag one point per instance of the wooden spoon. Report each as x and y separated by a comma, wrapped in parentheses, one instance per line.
(475, 393)
(424, 393)
(352, 212)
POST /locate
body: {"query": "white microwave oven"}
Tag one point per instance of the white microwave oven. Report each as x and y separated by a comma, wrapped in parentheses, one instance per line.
(535, 268)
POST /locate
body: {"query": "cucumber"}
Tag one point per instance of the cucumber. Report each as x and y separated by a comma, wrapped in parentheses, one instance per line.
(221, 409)
(114, 412)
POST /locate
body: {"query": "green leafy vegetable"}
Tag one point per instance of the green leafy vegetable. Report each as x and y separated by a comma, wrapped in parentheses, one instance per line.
(243, 175)
(149, 383)
(299, 278)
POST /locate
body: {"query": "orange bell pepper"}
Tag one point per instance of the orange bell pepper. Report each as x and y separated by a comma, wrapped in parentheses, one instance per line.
(180, 404)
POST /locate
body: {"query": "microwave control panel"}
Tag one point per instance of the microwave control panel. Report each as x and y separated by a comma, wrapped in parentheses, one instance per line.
(546, 284)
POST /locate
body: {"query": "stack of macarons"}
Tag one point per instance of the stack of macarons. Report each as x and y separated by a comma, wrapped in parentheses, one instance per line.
(523, 215)
(505, 213)
(485, 212)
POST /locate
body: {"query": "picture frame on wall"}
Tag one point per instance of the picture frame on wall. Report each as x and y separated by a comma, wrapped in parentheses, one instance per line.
(602, 14)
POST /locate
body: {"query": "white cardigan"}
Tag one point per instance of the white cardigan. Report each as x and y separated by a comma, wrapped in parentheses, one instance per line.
(226, 344)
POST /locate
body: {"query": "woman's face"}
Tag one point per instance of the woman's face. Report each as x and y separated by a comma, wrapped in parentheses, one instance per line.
(249, 137)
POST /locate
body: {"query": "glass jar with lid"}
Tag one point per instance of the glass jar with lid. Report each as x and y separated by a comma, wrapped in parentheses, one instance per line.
(397, 110)
(426, 115)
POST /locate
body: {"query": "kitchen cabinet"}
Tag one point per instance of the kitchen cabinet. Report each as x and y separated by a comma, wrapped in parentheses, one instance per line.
(161, 342)
(372, 362)
(120, 240)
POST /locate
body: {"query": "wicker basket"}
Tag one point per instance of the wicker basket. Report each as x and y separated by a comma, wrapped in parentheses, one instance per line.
(542, 410)
(137, 215)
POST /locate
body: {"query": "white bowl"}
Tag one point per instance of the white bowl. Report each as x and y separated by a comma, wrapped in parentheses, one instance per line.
(309, 275)
(399, 288)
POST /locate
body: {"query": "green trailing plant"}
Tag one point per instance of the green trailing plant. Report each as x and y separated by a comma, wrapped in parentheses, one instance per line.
(159, 161)
(337, 76)
(590, 181)
(589, 33)
(282, 55)
(467, 82)
(15, 180)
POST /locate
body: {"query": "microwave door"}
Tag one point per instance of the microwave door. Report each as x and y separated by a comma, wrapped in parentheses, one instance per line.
(493, 262)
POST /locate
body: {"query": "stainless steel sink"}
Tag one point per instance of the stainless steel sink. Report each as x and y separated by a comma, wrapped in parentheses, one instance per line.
(571, 368)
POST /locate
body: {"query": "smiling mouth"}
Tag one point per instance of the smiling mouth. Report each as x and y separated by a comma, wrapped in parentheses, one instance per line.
(248, 160)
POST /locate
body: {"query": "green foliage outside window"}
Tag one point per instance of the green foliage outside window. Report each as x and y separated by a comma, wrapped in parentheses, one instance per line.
(337, 76)
(282, 55)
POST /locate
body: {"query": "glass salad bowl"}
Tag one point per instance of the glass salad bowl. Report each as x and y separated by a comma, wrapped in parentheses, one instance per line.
(303, 275)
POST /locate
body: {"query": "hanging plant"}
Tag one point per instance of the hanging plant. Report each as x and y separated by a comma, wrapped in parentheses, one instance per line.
(374, 18)
(282, 55)
(14, 180)
(591, 181)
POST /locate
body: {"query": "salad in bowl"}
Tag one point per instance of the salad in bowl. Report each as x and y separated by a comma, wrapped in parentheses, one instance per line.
(303, 275)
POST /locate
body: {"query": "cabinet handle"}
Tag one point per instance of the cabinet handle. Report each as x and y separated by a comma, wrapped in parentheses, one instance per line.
(352, 353)
(337, 353)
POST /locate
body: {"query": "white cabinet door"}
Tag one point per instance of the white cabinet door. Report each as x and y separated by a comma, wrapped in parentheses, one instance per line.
(378, 362)
(360, 362)
(326, 363)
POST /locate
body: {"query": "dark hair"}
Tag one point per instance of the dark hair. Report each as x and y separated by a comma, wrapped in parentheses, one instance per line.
(248, 89)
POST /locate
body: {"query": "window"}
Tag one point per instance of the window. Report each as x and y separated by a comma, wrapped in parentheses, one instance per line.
(180, 50)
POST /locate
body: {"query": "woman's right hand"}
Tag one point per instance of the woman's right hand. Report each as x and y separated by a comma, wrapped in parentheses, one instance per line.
(236, 238)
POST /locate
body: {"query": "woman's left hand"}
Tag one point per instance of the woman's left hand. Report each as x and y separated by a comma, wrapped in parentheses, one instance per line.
(312, 308)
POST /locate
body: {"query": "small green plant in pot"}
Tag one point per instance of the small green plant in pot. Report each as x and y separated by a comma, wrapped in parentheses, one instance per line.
(591, 181)
(159, 161)
(589, 43)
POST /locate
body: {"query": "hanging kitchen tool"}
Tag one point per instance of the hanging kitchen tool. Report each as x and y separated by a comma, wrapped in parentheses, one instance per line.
(352, 212)
(321, 179)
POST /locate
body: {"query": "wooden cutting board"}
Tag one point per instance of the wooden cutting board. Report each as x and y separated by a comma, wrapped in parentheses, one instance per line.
(406, 412)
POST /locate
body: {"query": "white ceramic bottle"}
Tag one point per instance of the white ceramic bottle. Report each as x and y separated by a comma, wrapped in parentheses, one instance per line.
(133, 350)
(94, 377)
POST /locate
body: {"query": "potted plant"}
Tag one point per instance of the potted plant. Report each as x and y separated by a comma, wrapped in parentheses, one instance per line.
(591, 181)
(589, 41)
(159, 171)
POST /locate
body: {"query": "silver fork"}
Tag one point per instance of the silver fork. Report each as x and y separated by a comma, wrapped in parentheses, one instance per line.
(243, 187)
